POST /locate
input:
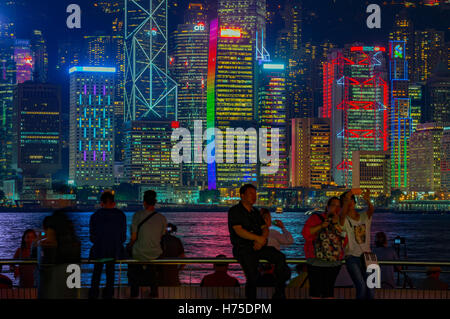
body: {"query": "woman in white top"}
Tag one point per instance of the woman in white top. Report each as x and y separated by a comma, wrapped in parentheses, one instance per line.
(276, 239)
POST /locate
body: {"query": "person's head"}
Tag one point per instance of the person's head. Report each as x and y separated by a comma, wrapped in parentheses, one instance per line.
(352, 200)
(265, 214)
(222, 267)
(248, 194)
(381, 239)
(171, 228)
(433, 272)
(333, 206)
(107, 200)
(149, 199)
(27, 238)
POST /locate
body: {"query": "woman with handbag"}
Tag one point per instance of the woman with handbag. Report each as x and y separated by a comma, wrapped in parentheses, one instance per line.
(357, 227)
(323, 249)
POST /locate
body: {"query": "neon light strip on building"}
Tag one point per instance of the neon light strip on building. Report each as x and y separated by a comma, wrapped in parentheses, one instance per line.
(210, 99)
(229, 33)
(91, 69)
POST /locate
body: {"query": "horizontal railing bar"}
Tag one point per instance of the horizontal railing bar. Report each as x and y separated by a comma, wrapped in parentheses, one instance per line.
(185, 261)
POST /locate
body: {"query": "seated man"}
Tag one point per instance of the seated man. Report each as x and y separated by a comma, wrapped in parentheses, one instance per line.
(248, 235)
(220, 277)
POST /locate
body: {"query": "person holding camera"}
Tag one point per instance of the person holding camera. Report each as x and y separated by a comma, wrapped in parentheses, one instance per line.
(357, 228)
(172, 247)
(323, 249)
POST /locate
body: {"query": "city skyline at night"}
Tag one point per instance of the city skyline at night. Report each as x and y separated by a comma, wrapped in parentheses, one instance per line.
(176, 65)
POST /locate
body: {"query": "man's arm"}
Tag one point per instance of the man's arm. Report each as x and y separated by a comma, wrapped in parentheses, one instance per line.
(241, 232)
(345, 206)
(370, 209)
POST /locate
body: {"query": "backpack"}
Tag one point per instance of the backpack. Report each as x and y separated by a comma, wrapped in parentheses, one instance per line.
(328, 243)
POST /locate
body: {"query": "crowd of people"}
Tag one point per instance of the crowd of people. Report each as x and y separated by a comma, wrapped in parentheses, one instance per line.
(339, 233)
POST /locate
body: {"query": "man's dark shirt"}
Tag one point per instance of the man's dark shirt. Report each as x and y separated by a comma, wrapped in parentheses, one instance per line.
(108, 232)
(250, 221)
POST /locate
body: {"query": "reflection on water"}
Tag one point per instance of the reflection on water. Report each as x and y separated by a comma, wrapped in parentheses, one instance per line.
(206, 235)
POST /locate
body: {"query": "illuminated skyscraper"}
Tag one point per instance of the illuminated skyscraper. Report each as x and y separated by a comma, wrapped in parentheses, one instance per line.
(24, 60)
(241, 23)
(401, 123)
(371, 170)
(425, 158)
(148, 150)
(150, 93)
(91, 126)
(355, 99)
(438, 97)
(429, 48)
(310, 163)
(37, 128)
(7, 86)
(445, 160)
(189, 66)
(403, 30)
(106, 51)
(415, 91)
(290, 43)
(272, 114)
(40, 56)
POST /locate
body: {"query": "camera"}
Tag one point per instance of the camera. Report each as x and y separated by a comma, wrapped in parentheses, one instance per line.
(399, 240)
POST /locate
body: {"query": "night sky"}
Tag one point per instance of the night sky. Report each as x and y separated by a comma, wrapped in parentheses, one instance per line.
(340, 21)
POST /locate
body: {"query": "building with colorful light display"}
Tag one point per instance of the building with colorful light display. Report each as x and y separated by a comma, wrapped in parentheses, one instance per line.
(310, 161)
(189, 67)
(356, 97)
(91, 146)
(425, 158)
(272, 114)
(37, 128)
(401, 123)
(24, 60)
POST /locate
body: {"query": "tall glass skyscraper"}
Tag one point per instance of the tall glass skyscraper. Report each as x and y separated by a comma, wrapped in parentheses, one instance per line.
(356, 99)
(272, 114)
(401, 123)
(91, 147)
(37, 128)
(189, 66)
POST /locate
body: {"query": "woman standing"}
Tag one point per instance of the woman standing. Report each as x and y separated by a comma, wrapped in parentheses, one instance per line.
(323, 249)
(25, 272)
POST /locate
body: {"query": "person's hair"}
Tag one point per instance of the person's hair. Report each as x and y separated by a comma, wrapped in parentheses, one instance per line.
(150, 197)
(23, 244)
(342, 197)
(173, 228)
(68, 249)
(264, 212)
(244, 188)
(107, 197)
(330, 201)
(380, 239)
(46, 222)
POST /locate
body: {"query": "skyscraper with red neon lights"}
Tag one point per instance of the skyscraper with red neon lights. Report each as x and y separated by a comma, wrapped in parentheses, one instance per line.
(355, 99)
